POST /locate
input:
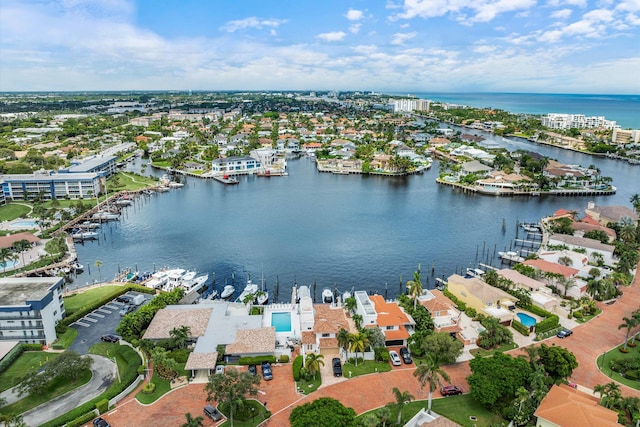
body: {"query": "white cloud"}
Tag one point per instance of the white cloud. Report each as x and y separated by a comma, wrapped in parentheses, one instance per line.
(354, 15)
(484, 49)
(578, 3)
(481, 10)
(335, 36)
(401, 38)
(561, 14)
(355, 28)
(365, 48)
(251, 22)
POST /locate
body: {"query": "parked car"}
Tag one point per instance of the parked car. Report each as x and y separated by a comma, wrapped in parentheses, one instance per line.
(110, 338)
(212, 413)
(564, 333)
(267, 374)
(126, 309)
(101, 422)
(219, 369)
(253, 370)
(406, 357)
(337, 367)
(125, 299)
(450, 390)
(395, 359)
(137, 300)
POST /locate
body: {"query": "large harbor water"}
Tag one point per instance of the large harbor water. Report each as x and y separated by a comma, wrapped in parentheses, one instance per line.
(343, 231)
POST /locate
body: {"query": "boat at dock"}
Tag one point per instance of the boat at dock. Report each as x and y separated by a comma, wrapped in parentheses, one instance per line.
(158, 280)
(226, 179)
(227, 292)
(249, 289)
(475, 272)
(84, 235)
(531, 227)
(106, 216)
(76, 266)
(192, 283)
(511, 256)
(123, 202)
(175, 184)
(327, 296)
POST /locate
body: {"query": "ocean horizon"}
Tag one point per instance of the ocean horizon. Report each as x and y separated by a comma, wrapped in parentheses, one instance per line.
(624, 109)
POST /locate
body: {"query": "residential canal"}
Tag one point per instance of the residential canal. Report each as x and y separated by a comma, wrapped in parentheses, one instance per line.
(347, 231)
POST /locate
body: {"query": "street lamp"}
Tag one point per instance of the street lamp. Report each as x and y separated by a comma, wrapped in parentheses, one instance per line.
(253, 415)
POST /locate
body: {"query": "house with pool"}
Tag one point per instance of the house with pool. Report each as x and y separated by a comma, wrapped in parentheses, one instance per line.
(541, 295)
(483, 298)
(221, 323)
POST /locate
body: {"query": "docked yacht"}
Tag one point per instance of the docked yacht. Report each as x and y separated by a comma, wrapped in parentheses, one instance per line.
(174, 279)
(227, 292)
(106, 216)
(250, 289)
(327, 296)
(84, 235)
(191, 283)
(511, 256)
(158, 280)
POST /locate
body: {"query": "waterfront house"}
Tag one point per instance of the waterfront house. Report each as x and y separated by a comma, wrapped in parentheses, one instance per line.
(552, 271)
(482, 297)
(320, 331)
(564, 406)
(395, 324)
(52, 185)
(590, 246)
(443, 311)
(30, 309)
(104, 165)
(235, 166)
(541, 295)
(607, 214)
(499, 181)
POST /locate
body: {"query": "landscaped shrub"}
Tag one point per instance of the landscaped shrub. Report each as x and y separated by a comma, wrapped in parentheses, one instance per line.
(297, 365)
(632, 375)
(547, 324)
(82, 419)
(32, 347)
(520, 328)
(257, 360)
(149, 388)
(471, 312)
(102, 406)
(352, 360)
(180, 355)
(284, 358)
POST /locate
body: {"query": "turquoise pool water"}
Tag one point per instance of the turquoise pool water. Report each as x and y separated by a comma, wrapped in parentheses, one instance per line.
(527, 320)
(8, 264)
(24, 224)
(282, 321)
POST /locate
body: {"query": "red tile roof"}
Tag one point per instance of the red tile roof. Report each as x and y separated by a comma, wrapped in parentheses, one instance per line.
(551, 267)
(568, 407)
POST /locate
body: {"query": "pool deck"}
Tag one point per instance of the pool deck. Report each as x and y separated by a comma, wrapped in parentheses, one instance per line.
(283, 336)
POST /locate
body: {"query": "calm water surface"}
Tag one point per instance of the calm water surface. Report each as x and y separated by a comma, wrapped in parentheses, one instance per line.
(347, 231)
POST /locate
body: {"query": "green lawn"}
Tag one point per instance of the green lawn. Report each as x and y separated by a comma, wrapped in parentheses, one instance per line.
(57, 388)
(455, 408)
(130, 181)
(615, 354)
(350, 370)
(11, 211)
(22, 365)
(162, 387)
(247, 418)
(66, 339)
(111, 350)
(486, 353)
(585, 319)
(75, 302)
(307, 387)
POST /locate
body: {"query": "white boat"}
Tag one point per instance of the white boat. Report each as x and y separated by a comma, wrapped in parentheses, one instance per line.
(227, 292)
(106, 216)
(158, 280)
(193, 284)
(90, 225)
(77, 266)
(174, 184)
(327, 296)
(249, 289)
(475, 272)
(85, 235)
(213, 295)
(123, 202)
(262, 296)
(511, 256)
(531, 227)
(174, 278)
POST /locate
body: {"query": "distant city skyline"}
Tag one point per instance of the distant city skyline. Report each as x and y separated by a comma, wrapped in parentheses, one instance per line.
(539, 46)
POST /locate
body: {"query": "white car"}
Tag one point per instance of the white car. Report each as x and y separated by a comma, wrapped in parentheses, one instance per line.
(395, 359)
(219, 369)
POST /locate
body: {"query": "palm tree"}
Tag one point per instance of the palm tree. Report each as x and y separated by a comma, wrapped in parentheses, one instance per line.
(21, 246)
(627, 233)
(313, 362)
(565, 260)
(350, 304)
(402, 398)
(343, 339)
(629, 323)
(5, 255)
(357, 343)
(594, 288)
(98, 264)
(635, 201)
(415, 288)
(193, 422)
(609, 394)
(567, 283)
(430, 373)
(357, 319)
(180, 335)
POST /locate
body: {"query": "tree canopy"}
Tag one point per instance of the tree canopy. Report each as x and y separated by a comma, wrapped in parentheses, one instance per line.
(231, 388)
(323, 412)
(494, 380)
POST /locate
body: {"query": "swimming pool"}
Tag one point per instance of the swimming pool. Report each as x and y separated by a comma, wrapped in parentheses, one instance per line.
(24, 224)
(527, 320)
(282, 321)
(9, 264)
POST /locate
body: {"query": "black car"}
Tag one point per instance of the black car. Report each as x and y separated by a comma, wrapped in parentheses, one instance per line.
(125, 299)
(101, 422)
(406, 357)
(337, 367)
(564, 333)
(253, 370)
(212, 413)
(110, 338)
(267, 374)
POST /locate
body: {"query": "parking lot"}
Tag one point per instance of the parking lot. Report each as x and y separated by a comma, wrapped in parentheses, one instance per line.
(99, 322)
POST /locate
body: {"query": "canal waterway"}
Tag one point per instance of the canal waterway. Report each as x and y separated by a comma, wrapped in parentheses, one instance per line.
(343, 231)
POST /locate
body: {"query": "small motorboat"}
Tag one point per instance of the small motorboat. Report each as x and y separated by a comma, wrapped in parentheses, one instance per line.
(227, 292)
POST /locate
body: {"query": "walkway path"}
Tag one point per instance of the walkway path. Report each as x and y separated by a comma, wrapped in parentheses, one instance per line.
(104, 372)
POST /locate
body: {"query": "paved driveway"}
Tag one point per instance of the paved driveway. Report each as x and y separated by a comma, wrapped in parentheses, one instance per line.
(104, 373)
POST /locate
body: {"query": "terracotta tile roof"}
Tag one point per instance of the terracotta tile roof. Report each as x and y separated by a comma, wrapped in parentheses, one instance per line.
(308, 337)
(588, 226)
(520, 279)
(201, 361)
(167, 319)
(582, 241)
(389, 313)
(439, 303)
(328, 343)
(8, 240)
(262, 340)
(396, 334)
(329, 320)
(562, 212)
(567, 407)
(551, 267)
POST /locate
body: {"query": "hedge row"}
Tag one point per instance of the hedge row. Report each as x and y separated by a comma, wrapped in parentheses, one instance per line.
(10, 357)
(297, 366)
(127, 377)
(82, 419)
(257, 360)
(520, 327)
(459, 304)
(547, 324)
(539, 311)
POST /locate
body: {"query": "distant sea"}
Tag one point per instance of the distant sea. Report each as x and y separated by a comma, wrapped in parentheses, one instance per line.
(624, 109)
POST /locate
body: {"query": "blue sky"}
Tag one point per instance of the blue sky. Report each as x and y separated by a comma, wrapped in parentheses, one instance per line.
(546, 46)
